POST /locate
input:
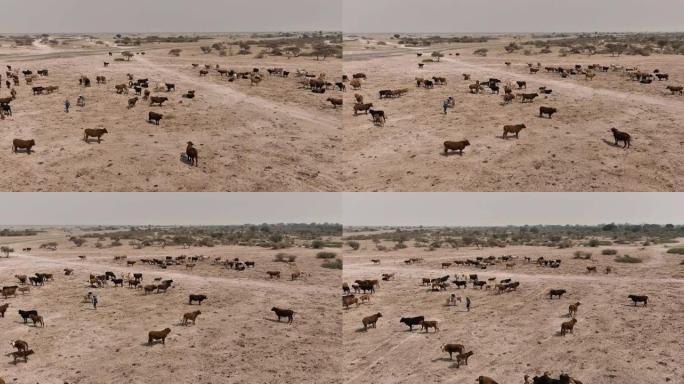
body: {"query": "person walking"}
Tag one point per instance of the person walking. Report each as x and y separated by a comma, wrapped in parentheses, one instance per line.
(445, 105)
(468, 303)
(67, 104)
(94, 302)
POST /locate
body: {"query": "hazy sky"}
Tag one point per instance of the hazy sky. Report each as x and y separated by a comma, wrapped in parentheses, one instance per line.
(485, 209)
(168, 208)
(512, 15)
(169, 15)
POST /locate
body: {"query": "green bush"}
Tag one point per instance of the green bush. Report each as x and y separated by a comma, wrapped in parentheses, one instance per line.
(332, 264)
(355, 245)
(326, 255)
(627, 259)
(676, 250)
(609, 252)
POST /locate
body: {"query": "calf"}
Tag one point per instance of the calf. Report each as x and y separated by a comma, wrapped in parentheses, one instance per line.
(426, 325)
(572, 309)
(675, 89)
(190, 316)
(94, 132)
(462, 358)
(568, 326)
(288, 313)
(132, 102)
(370, 321)
(37, 320)
(621, 136)
(3, 309)
(191, 152)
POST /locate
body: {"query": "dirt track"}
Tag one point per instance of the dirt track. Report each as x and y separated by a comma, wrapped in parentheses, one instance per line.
(236, 339)
(516, 333)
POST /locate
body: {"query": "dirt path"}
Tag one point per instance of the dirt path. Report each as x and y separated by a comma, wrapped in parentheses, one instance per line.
(231, 97)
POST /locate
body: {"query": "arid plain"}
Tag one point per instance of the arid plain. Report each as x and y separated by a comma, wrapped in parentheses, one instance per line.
(236, 338)
(273, 136)
(574, 150)
(514, 333)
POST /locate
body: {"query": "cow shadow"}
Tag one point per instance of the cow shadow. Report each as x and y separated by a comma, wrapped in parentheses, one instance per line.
(89, 140)
(611, 143)
(441, 359)
(361, 330)
(450, 153)
(154, 342)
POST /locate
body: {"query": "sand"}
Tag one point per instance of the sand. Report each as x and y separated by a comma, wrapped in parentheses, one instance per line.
(236, 339)
(271, 137)
(517, 333)
(573, 151)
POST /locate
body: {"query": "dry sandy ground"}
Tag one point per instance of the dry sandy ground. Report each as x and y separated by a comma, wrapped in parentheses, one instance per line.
(517, 333)
(236, 339)
(573, 151)
(271, 137)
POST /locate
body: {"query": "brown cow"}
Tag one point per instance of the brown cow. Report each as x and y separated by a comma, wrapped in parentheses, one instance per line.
(94, 132)
(158, 100)
(455, 146)
(23, 144)
(513, 129)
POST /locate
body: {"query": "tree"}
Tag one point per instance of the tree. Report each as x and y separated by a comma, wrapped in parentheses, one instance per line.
(437, 55)
(396, 36)
(205, 49)
(6, 250)
(481, 52)
(355, 245)
(292, 51)
(615, 48)
(323, 50)
(127, 55)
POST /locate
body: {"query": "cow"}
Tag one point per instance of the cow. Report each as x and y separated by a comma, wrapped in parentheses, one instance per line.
(94, 132)
(154, 117)
(158, 100)
(23, 144)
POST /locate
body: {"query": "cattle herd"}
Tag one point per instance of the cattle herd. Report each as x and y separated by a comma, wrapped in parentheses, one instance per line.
(134, 281)
(156, 93)
(492, 86)
(354, 295)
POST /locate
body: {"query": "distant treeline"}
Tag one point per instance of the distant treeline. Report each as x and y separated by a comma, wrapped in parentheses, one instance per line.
(429, 40)
(561, 236)
(642, 44)
(275, 236)
(20, 232)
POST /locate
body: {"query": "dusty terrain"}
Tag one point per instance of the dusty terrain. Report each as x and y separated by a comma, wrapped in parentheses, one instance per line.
(236, 338)
(516, 333)
(271, 137)
(573, 151)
